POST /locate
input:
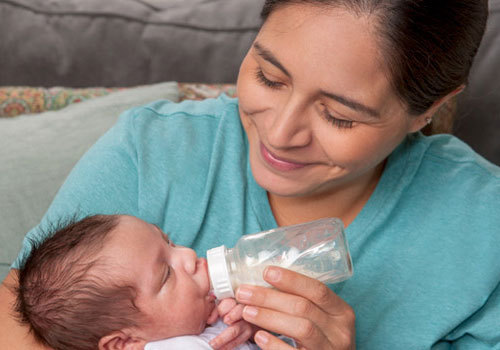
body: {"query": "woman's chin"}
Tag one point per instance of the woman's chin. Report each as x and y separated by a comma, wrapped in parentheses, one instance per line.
(290, 183)
(279, 187)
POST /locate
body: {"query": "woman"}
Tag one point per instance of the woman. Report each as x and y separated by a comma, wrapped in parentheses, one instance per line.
(332, 95)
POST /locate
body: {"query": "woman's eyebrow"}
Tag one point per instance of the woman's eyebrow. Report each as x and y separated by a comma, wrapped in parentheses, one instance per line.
(268, 56)
(352, 104)
(355, 105)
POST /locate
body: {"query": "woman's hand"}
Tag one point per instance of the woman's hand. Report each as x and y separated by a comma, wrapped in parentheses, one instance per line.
(301, 308)
(238, 332)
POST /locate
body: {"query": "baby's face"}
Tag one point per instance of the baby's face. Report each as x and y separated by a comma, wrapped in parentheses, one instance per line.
(172, 282)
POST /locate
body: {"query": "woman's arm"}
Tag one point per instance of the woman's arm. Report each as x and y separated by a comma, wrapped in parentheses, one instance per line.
(13, 335)
(301, 308)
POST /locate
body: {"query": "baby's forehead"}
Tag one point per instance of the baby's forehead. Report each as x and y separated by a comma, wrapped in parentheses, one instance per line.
(111, 271)
(133, 229)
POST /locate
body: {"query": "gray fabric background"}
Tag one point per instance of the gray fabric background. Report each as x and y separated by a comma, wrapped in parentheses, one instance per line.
(86, 43)
(81, 43)
(478, 120)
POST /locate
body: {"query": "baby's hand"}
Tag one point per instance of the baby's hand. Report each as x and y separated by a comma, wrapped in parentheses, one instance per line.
(230, 311)
(234, 335)
(214, 316)
(239, 330)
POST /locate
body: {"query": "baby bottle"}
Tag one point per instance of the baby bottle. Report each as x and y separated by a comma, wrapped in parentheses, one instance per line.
(317, 249)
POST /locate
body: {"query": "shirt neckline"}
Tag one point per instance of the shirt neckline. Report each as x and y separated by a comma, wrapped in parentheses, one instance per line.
(399, 169)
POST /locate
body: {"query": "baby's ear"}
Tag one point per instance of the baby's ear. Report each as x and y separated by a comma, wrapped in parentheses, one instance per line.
(120, 341)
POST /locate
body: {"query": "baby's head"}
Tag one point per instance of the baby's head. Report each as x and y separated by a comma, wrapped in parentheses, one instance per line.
(112, 282)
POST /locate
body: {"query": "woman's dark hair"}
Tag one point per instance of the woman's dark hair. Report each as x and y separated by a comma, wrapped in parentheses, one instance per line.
(428, 45)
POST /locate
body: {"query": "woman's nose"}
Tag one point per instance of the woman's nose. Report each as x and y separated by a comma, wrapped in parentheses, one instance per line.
(186, 258)
(289, 126)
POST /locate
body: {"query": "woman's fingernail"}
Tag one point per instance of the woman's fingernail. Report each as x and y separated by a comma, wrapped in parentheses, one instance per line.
(243, 294)
(250, 311)
(261, 338)
(272, 274)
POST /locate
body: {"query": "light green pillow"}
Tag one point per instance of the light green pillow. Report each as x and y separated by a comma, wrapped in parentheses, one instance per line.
(38, 151)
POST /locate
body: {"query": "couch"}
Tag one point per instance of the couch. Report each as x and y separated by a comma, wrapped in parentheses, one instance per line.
(114, 54)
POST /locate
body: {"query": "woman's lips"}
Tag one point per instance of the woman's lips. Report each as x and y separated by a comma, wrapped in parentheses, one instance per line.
(278, 163)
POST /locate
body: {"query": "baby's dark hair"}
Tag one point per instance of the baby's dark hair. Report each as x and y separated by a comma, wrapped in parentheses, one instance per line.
(63, 294)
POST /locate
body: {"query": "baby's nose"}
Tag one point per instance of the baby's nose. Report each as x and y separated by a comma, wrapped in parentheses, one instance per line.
(189, 259)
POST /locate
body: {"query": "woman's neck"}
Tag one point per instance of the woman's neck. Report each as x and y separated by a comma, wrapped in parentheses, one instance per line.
(344, 202)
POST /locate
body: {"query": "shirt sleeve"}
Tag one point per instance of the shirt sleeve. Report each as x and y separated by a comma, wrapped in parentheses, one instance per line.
(104, 181)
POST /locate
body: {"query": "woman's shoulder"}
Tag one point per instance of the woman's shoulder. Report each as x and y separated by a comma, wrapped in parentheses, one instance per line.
(442, 174)
(453, 174)
(163, 120)
(447, 154)
(211, 108)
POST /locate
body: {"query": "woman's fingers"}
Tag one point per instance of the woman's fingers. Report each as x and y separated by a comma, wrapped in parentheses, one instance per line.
(294, 283)
(301, 308)
(287, 303)
(301, 329)
(267, 341)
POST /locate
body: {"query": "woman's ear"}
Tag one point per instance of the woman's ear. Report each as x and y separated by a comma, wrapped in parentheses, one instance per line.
(426, 118)
(120, 340)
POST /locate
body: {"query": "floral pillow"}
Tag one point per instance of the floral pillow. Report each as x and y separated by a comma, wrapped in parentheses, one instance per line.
(15, 101)
(25, 100)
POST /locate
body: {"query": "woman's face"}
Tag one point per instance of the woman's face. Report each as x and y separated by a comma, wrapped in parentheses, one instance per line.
(316, 102)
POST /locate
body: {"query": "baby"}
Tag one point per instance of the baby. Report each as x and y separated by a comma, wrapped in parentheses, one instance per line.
(117, 282)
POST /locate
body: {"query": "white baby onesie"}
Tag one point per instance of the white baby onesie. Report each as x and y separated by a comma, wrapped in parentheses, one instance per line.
(196, 342)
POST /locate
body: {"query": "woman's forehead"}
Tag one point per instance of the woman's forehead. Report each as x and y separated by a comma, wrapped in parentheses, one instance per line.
(332, 49)
(321, 24)
(304, 33)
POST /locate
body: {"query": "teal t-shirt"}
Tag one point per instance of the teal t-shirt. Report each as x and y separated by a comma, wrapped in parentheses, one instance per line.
(425, 247)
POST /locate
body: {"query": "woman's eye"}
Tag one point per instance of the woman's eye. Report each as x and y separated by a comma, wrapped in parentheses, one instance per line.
(261, 78)
(339, 123)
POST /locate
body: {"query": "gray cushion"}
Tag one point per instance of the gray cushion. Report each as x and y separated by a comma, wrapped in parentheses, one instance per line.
(478, 119)
(124, 43)
(38, 151)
